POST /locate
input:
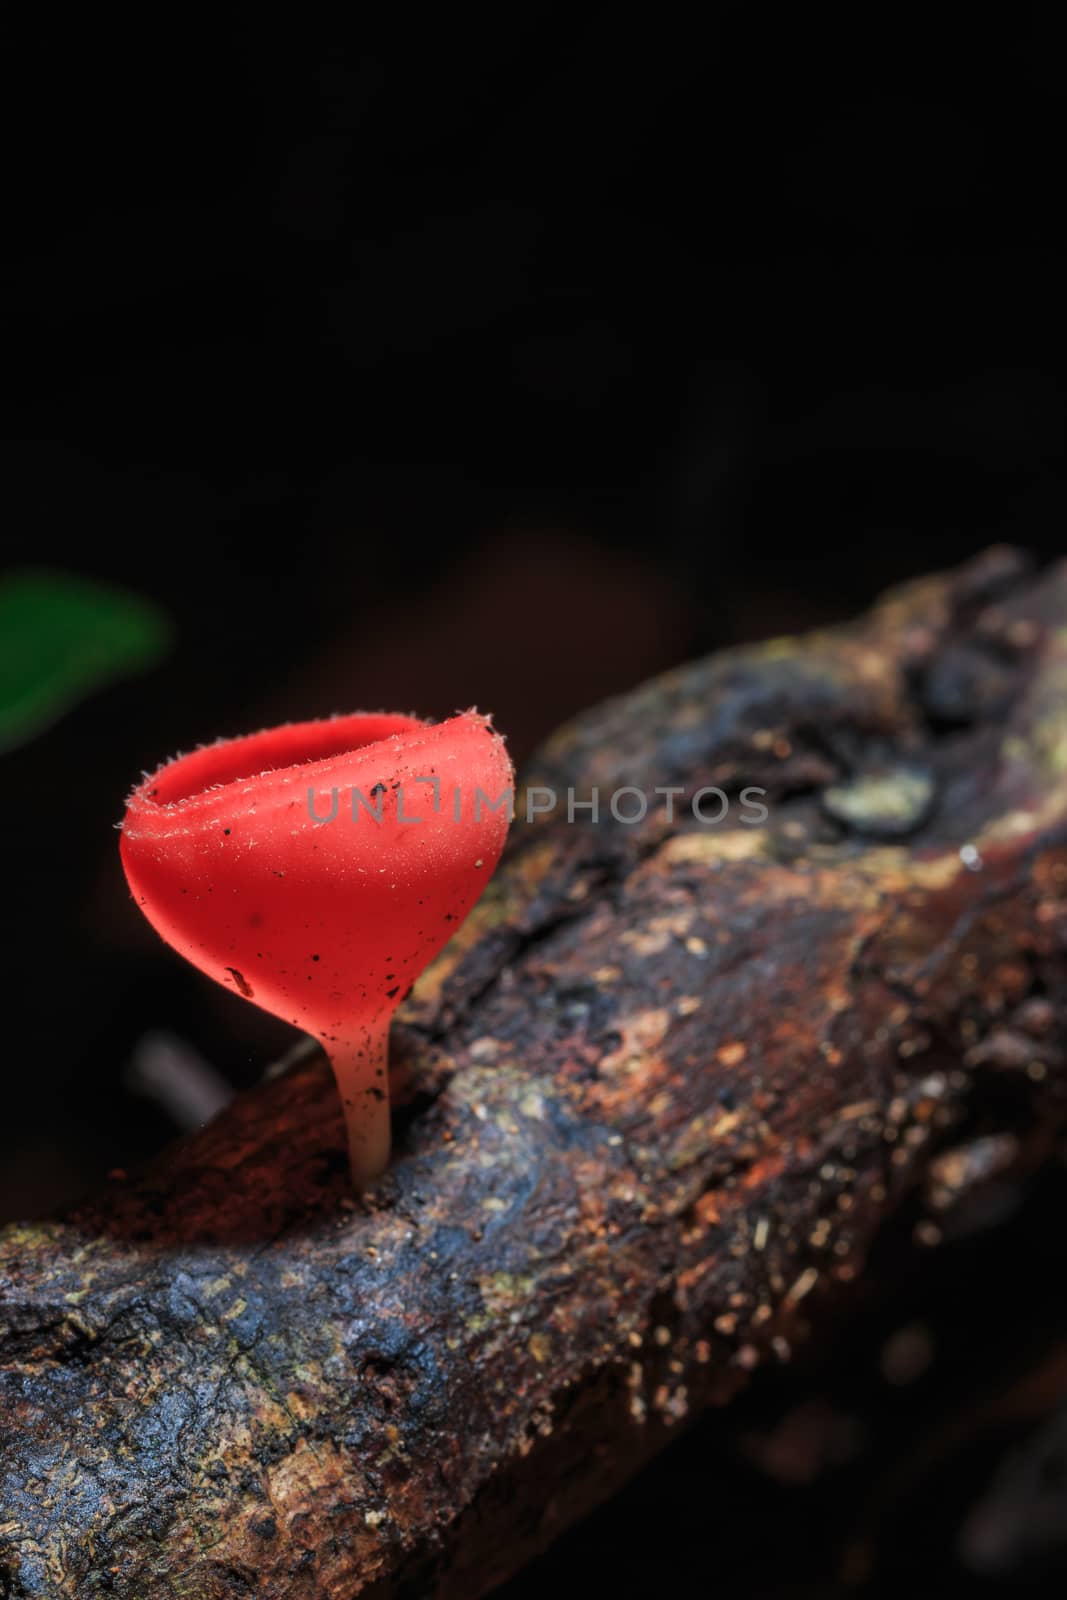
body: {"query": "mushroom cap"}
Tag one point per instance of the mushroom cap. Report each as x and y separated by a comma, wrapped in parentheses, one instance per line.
(262, 859)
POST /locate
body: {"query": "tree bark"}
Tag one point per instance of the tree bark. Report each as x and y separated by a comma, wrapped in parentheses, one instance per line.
(654, 1102)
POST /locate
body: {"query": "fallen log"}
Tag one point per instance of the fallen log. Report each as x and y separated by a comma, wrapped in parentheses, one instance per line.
(654, 1103)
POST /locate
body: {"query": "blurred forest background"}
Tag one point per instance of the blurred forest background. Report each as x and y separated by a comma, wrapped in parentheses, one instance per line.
(501, 361)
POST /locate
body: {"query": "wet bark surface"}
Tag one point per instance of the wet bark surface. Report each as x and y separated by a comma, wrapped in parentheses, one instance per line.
(654, 1104)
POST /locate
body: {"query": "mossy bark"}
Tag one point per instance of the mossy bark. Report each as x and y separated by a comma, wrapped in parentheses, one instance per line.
(653, 1105)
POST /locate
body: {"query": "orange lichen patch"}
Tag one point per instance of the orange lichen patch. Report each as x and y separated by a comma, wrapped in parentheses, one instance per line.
(763, 1171)
(306, 1485)
(861, 1108)
(731, 1054)
(298, 1479)
(657, 935)
(710, 849)
(640, 1034)
(646, 941)
(540, 1347)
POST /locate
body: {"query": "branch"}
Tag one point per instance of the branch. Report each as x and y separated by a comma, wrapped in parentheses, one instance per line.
(655, 1101)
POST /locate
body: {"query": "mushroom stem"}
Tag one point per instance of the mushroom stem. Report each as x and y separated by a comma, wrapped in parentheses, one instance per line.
(362, 1073)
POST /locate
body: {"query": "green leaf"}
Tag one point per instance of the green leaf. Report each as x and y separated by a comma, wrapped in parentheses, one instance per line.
(61, 638)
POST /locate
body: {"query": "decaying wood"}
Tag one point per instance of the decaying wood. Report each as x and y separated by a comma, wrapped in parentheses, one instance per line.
(658, 1097)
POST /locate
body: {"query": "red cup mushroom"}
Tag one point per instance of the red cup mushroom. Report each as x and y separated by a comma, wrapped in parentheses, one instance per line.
(317, 868)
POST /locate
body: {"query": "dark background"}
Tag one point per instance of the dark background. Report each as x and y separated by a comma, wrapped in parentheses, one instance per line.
(500, 361)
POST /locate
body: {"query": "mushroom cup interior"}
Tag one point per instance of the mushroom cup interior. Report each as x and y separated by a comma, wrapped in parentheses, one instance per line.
(294, 744)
